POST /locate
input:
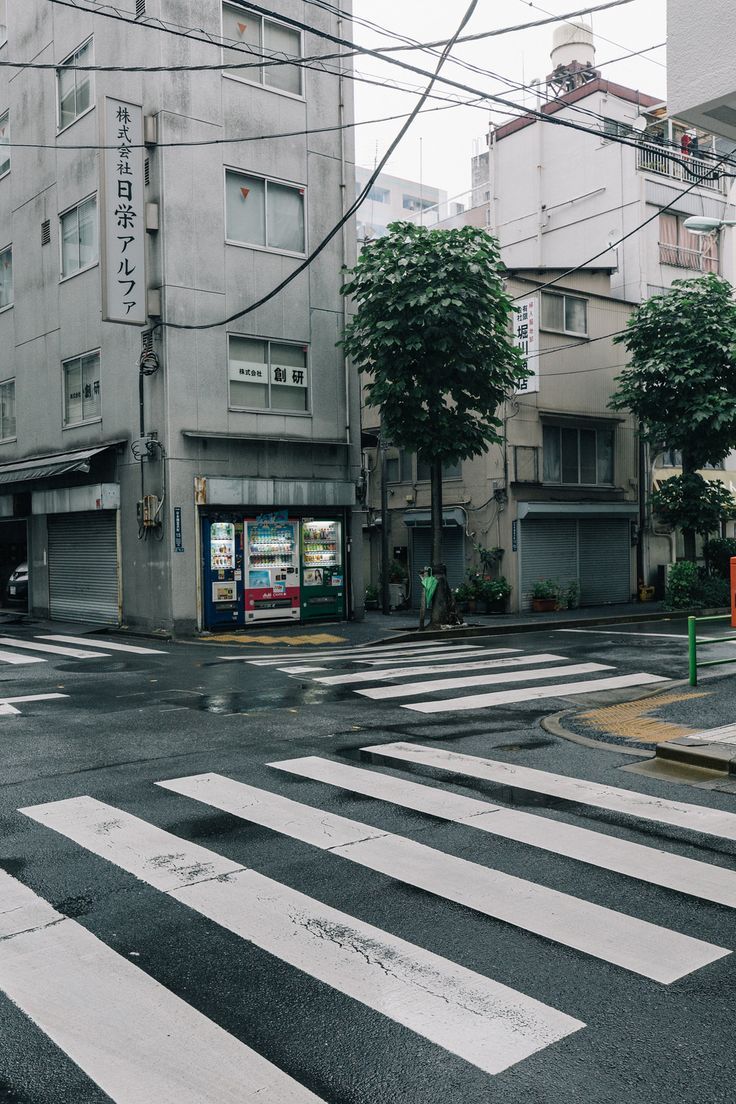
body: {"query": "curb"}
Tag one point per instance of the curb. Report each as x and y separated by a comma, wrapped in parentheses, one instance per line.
(555, 726)
(712, 756)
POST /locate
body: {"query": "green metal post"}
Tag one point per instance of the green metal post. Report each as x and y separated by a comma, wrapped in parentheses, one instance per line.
(692, 648)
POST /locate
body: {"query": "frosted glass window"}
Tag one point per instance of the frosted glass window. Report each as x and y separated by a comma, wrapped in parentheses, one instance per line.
(4, 143)
(79, 237)
(74, 87)
(258, 38)
(244, 30)
(82, 389)
(262, 212)
(267, 375)
(7, 409)
(3, 22)
(565, 313)
(285, 218)
(6, 277)
(279, 40)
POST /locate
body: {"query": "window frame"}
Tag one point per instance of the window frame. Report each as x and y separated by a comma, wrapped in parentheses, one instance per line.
(409, 461)
(9, 249)
(89, 75)
(12, 436)
(6, 115)
(63, 277)
(3, 23)
(279, 412)
(64, 363)
(230, 75)
(563, 295)
(578, 429)
(300, 188)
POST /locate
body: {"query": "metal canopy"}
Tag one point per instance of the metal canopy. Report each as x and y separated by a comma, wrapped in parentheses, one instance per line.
(43, 467)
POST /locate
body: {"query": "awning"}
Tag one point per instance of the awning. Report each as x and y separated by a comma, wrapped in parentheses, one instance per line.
(576, 509)
(450, 516)
(42, 467)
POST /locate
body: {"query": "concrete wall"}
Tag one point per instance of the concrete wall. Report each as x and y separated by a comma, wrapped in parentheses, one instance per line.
(700, 69)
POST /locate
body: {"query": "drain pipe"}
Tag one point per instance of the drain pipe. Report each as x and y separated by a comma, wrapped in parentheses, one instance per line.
(344, 231)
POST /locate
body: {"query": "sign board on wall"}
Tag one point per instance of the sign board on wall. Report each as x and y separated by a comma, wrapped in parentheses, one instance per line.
(526, 338)
(124, 277)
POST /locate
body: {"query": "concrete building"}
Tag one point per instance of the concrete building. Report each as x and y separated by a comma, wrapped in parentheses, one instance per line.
(701, 85)
(156, 475)
(394, 199)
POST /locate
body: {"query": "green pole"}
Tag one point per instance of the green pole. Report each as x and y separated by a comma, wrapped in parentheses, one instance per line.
(692, 648)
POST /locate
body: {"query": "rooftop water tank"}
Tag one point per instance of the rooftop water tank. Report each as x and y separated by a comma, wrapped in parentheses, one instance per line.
(573, 42)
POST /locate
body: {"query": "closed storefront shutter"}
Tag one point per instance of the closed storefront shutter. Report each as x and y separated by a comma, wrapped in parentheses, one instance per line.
(83, 567)
(453, 555)
(549, 550)
(605, 561)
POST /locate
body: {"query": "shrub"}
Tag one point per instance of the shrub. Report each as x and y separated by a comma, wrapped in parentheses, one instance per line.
(546, 588)
(715, 592)
(689, 587)
(718, 553)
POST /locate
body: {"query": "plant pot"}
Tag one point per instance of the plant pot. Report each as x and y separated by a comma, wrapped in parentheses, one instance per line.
(498, 605)
(371, 603)
(472, 605)
(544, 605)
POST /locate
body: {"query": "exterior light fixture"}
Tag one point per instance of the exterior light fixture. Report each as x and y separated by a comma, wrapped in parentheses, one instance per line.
(699, 224)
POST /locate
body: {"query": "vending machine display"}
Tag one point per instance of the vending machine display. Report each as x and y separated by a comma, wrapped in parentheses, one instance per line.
(323, 579)
(222, 543)
(272, 570)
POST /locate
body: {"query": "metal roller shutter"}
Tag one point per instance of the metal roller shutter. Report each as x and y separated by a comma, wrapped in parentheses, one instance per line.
(549, 550)
(605, 561)
(83, 567)
(453, 555)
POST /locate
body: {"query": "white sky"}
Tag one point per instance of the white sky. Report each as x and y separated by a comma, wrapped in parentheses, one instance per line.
(447, 136)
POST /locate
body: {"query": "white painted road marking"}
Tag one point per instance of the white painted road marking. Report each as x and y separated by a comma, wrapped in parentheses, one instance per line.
(648, 864)
(301, 670)
(532, 693)
(379, 674)
(353, 655)
(133, 1038)
(434, 657)
(134, 648)
(486, 1023)
(411, 689)
(351, 651)
(7, 705)
(53, 649)
(636, 945)
(695, 818)
(19, 660)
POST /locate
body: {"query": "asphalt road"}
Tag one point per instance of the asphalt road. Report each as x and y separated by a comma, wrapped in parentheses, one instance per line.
(331, 949)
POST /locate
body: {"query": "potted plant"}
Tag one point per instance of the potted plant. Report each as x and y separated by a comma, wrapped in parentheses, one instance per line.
(496, 593)
(545, 595)
(571, 596)
(464, 595)
(371, 597)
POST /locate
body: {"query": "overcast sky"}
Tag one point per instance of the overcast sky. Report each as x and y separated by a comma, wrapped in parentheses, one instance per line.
(448, 136)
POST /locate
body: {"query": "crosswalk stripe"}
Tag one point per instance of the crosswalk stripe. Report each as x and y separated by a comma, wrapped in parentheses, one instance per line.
(432, 686)
(379, 674)
(133, 1038)
(19, 660)
(649, 807)
(301, 670)
(53, 649)
(7, 705)
(434, 657)
(358, 649)
(530, 693)
(648, 864)
(486, 1023)
(106, 644)
(626, 941)
(357, 654)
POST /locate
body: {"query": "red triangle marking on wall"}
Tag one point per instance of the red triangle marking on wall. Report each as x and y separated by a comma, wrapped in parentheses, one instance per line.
(242, 27)
(245, 192)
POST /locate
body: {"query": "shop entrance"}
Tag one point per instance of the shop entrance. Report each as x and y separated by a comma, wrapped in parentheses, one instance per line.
(14, 566)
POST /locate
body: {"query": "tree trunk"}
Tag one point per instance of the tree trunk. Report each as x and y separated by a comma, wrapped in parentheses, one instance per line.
(436, 476)
(385, 593)
(688, 535)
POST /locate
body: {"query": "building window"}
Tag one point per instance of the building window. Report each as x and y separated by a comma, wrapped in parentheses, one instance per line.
(415, 203)
(264, 212)
(262, 36)
(3, 22)
(4, 143)
(680, 248)
(79, 237)
(7, 410)
(424, 470)
(267, 375)
(578, 456)
(615, 128)
(81, 389)
(378, 195)
(401, 469)
(75, 87)
(565, 314)
(6, 277)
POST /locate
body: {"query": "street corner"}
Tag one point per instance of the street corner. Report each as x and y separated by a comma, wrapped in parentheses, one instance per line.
(272, 639)
(642, 724)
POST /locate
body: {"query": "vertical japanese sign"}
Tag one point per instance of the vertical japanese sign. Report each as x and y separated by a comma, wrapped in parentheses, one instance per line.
(526, 338)
(124, 283)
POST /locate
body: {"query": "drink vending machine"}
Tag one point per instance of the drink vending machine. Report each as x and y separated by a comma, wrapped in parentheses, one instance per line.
(272, 569)
(222, 543)
(323, 577)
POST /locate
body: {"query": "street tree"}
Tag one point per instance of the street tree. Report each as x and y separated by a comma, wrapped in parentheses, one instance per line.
(681, 385)
(432, 331)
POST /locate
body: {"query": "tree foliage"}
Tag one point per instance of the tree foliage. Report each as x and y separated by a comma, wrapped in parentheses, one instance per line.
(432, 330)
(693, 503)
(681, 382)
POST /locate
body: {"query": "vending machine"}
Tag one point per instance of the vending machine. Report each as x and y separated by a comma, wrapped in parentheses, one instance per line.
(323, 575)
(272, 569)
(222, 546)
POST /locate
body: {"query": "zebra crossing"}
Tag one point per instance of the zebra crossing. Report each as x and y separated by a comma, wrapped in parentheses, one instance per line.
(44, 648)
(410, 671)
(139, 1041)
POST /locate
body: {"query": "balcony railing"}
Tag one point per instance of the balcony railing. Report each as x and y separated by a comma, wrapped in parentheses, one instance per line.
(680, 257)
(652, 158)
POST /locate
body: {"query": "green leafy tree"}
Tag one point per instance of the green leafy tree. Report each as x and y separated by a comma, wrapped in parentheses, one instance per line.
(694, 503)
(432, 329)
(681, 385)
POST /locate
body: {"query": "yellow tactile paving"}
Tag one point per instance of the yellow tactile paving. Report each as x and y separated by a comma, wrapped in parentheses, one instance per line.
(630, 720)
(306, 638)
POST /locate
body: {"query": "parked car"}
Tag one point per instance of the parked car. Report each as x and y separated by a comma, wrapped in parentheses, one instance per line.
(17, 588)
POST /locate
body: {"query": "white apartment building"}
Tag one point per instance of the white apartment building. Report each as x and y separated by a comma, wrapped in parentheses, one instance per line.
(394, 199)
(152, 474)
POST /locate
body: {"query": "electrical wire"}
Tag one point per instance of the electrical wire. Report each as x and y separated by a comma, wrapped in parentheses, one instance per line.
(566, 19)
(348, 214)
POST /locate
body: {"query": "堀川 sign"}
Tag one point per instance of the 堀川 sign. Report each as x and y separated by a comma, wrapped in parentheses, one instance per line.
(526, 338)
(124, 283)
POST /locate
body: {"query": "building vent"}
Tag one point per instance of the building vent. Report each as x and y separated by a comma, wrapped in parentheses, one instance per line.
(45, 231)
(140, 8)
(147, 171)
